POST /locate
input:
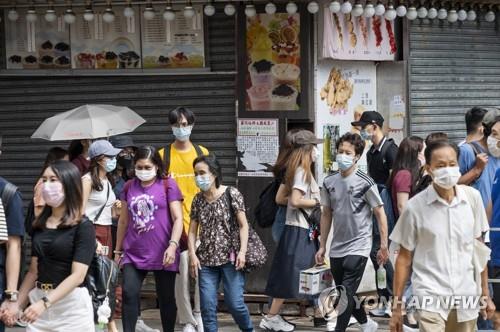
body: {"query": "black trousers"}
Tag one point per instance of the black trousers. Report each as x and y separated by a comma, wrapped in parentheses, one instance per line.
(348, 272)
(165, 288)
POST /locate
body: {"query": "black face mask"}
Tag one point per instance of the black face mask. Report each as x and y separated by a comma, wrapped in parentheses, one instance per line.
(127, 163)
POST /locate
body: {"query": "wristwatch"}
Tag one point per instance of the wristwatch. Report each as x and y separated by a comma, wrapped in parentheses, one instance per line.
(11, 296)
(46, 302)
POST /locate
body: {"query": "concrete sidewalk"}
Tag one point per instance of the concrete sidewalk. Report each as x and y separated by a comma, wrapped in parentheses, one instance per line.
(226, 323)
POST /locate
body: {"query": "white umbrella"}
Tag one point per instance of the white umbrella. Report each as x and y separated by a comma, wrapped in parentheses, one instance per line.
(89, 122)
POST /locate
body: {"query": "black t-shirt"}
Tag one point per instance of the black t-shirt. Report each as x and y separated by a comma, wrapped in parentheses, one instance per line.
(380, 160)
(57, 249)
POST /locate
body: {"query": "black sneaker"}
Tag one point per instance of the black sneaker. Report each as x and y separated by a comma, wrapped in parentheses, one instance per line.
(319, 322)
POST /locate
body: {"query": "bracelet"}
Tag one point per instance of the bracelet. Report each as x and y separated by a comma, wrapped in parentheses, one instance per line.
(117, 252)
(174, 242)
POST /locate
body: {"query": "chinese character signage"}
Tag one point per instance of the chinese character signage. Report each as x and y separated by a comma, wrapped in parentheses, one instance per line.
(100, 45)
(273, 62)
(258, 146)
(174, 44)
(347, 37)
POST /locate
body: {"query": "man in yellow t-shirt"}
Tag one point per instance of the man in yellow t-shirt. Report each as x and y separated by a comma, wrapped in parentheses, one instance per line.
(180, 156)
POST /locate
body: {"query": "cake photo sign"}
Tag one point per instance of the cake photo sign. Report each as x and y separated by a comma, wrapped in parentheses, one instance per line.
(273, 62)
(36, 45)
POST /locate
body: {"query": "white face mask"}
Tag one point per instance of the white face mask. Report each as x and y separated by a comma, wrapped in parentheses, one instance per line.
(145, 175)
(446, 177)
(315, 154)
(493, 147)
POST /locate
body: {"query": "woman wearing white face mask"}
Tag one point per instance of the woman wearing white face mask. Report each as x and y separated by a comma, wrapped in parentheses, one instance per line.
(298, 243)
(99, 200)
(216, 258)
(63, 246)
(437, 233)
(149, 231)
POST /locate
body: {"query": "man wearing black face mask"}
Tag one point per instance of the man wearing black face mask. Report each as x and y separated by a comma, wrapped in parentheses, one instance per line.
(125, 159)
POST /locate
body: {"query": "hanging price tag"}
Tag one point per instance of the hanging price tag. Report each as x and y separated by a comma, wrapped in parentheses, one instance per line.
(168, 32)
(131, 24)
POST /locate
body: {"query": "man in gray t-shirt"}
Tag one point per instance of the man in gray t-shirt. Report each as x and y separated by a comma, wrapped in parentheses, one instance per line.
(349, 199)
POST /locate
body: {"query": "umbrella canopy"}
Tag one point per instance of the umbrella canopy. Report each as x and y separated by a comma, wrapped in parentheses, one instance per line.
(89, 122)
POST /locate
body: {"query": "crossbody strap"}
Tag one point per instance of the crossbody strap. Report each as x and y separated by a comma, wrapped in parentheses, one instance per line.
(98, 215)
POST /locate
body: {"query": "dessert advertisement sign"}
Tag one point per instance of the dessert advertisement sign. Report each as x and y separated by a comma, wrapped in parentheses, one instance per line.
(36, 45)
(100, 45)
(346, 90)
(174, 44)
(273, 62)
(346, 37)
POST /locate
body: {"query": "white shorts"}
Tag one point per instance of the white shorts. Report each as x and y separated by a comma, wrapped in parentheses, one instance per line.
(74, 312)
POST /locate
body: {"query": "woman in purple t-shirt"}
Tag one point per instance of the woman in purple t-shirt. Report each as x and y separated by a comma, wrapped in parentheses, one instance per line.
(149, 232)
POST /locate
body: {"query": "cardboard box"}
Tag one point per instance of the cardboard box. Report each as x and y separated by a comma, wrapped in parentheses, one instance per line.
(314, 280)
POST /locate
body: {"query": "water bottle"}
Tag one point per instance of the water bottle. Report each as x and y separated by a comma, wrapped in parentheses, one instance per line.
(381, 278)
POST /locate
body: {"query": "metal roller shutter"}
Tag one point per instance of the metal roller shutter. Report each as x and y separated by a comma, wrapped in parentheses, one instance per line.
(452, 67)
(26, 101)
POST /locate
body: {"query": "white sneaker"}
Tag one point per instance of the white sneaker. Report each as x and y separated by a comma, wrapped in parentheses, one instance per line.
(189, 328)
(276, 324)
(379, 312)
(352, 321)
(140, 326)
(331, 325)
(199, 322)
(369, 326)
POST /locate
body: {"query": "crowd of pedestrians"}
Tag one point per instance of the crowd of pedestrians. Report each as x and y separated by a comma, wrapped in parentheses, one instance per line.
(421, 214)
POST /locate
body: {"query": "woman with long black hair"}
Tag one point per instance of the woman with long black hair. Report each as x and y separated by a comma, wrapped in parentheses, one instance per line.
(63, 246)
(149, 231)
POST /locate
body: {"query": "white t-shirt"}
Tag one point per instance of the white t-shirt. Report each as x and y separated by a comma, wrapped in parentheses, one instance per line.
(311, 191)
(97, 199)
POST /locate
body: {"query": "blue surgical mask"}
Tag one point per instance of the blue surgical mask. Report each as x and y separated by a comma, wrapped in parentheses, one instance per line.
(344, 161)
(365, 135)
(182, 133)
(110, 165)
(203, 182)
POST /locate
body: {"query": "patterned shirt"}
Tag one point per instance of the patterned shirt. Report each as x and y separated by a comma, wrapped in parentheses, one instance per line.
(214, 217)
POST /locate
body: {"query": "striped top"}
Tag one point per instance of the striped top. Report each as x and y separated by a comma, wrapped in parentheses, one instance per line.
(4, 235)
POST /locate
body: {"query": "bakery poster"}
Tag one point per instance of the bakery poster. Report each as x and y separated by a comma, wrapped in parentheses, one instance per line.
(258, 146)
(273, 62)
(100, 45)
(347, 37)
(37, 45)
(346, 89)
(174, 44)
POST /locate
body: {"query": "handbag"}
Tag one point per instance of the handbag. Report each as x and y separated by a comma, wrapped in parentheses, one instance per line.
(314, 221)
(102, 282)
(256, 255)
(480, 252)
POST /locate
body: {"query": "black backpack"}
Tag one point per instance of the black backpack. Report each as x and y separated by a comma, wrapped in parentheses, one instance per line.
(266, 208)
(166, 155)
